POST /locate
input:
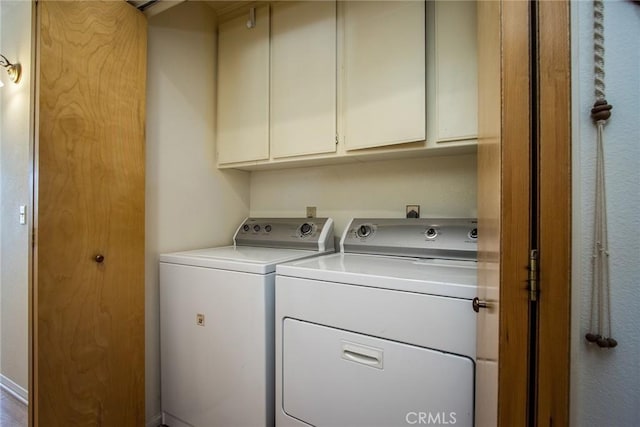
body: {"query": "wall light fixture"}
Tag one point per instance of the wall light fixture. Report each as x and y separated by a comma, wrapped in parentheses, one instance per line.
(13, 70)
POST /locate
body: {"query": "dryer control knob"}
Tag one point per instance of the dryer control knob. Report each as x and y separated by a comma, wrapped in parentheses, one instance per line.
(431, 233)
(363, 231)
(256, 228)
(473, 234)
(305, 229)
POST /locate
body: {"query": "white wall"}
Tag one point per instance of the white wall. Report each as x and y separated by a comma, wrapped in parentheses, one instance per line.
(189, 202)
(16, 33)
(443, 186)
(605, 384)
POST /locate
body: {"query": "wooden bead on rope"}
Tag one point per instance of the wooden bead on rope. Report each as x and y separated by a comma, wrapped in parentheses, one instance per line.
(601, 111)
(592, 337)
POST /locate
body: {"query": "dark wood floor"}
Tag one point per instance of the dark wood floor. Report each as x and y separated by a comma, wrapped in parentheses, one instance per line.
(13, 413)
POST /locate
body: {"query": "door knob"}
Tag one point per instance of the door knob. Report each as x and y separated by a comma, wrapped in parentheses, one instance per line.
(477, 304)
(99, 258)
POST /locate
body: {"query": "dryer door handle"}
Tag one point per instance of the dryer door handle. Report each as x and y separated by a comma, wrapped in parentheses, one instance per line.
(362, 354)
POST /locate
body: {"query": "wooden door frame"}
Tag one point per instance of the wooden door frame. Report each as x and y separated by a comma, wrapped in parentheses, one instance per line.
(554, 213)
(549, 112)
(515, 214)
(533, 131)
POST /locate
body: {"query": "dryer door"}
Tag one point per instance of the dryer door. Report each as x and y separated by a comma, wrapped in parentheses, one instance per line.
(333, 377)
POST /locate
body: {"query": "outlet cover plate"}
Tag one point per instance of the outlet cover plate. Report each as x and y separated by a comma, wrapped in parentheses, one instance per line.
(412, 211)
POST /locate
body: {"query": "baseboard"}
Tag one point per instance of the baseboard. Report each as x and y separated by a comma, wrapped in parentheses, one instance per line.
(171, 421)
(14, 389)
(23, 396)
(155, 421)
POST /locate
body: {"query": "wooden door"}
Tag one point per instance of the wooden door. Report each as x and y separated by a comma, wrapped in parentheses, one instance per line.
(504, 212)
(88, 348)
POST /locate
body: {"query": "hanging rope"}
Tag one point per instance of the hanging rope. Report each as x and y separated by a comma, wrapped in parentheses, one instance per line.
(600, 323)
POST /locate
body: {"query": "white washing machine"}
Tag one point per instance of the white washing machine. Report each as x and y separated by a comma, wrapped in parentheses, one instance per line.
(382, 333)
(216, 322)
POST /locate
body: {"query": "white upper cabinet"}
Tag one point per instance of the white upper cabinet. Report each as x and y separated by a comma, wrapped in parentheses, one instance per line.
(320, 82)
(384, 73)
(303, 78)
(453, 71)
(243, 89)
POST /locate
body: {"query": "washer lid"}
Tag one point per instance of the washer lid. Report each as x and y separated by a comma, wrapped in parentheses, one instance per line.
(450, 278)
(248, 259)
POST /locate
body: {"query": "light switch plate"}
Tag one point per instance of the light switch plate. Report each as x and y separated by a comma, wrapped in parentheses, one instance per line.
(23, 214)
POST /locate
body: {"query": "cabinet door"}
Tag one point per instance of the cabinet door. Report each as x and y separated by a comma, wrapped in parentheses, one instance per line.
(303, 78)
(453, 70)
(384, 73)
(243, 89)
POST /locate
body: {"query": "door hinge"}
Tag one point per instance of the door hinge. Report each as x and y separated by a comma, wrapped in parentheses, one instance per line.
(533, 275)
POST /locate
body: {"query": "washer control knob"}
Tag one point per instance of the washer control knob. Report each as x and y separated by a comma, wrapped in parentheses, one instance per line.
(305, 229)
(256, 228)
(473, 234)
(267, 228)
(363, 231)
(246, 227)
(431, 233)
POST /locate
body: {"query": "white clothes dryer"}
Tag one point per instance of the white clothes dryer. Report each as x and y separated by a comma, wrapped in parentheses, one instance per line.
(216, 322)
(382, 333)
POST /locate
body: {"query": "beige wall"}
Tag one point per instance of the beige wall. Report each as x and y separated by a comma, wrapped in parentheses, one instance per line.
(189, 203)
(442, 186)
(15, 148)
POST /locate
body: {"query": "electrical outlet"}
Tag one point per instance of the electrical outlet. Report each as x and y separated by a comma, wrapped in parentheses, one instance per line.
(311, 211)
(413, 211)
